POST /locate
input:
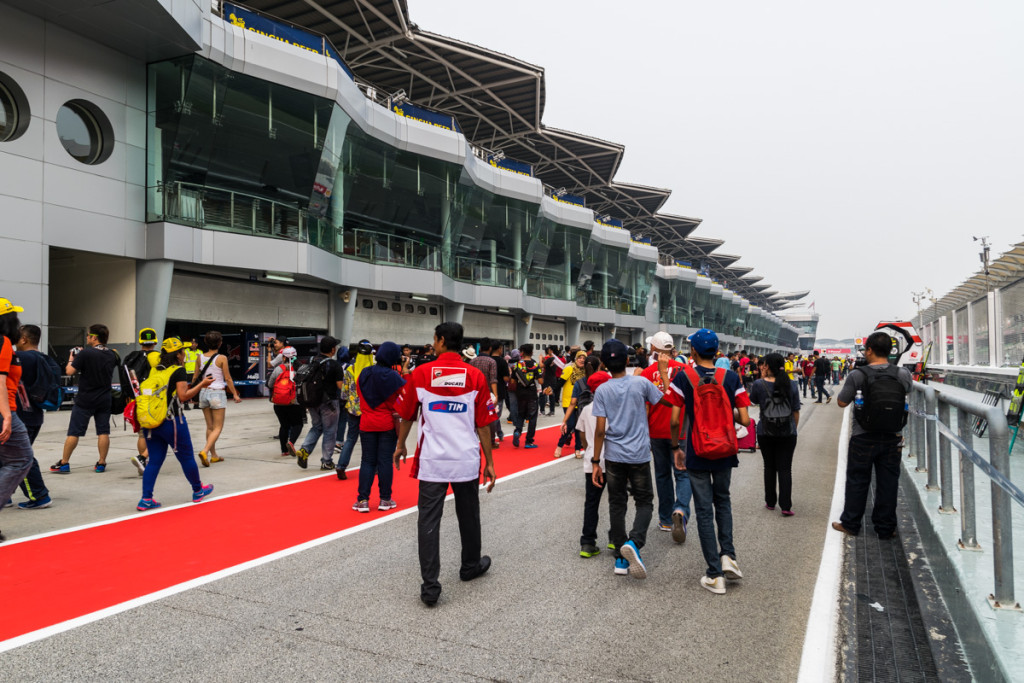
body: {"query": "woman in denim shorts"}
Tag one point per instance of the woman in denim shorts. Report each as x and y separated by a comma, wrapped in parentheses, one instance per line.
(213, 400)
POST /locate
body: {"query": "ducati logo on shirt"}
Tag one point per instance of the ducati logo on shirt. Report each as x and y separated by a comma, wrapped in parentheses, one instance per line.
(447, 407)
(448, 377)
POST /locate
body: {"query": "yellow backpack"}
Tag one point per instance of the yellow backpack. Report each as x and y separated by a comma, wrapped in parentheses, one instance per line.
(155, 395)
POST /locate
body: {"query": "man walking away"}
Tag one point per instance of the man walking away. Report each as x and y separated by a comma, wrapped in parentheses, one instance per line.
(822, 371)
(95, 366)
(455, 409)
(874, 437)
(137, 363)
(501, 364)
(710, 477)
(527, 375)
(324, 417)
(487, 365)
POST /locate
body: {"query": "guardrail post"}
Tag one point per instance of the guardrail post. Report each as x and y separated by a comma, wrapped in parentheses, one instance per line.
(919, 437)
(968, 528)
(1002, 520)
(945, 464)
(931, 437)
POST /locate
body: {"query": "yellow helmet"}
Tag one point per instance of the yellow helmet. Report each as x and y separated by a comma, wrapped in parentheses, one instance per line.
(172, 344)
(7, 307)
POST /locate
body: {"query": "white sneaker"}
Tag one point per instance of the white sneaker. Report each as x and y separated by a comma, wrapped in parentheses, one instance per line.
(715, 585)
(730, 568)
(138, 464)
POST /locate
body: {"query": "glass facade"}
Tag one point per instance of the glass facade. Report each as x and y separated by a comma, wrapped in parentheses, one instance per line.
(961, 334)
(949, 338)
(1011, 306)
(979, 313)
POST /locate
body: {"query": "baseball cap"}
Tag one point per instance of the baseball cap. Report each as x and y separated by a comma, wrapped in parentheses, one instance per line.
(612, 350)
(703, 341)
(289, 352)
(662, 341)
(7, 307)
(597, 379)
(147, 335)
(172, 344)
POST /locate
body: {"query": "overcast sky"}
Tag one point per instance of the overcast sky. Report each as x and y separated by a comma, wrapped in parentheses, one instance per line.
(852, 149)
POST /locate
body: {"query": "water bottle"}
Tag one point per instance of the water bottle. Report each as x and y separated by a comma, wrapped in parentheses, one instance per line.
(858, 400)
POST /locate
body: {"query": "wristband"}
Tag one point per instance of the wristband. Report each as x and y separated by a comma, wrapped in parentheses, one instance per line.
(596, 462)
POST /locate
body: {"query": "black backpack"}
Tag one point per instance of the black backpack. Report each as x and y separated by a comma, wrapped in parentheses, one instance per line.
(138, 362)
(585, 398)
(885, 402)
(45, 392)
(124, 392)
(777, 414)
(526, 375)
(310, 380)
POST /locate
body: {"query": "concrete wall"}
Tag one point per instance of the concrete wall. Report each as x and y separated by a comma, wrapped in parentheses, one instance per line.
(93, 288)
(219, 300)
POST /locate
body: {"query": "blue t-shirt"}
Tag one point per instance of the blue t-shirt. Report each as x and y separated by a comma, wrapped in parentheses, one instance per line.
(762, 391)
(733, 386)
(623, 403)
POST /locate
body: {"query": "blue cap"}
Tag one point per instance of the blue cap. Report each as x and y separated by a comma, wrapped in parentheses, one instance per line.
(703, 341)
(613, 349)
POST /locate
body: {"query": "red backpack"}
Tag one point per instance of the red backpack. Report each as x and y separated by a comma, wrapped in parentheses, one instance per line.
(713, 434)
(283, 391)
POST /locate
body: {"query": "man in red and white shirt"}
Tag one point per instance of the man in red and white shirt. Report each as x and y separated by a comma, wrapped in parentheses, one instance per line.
(455, 411)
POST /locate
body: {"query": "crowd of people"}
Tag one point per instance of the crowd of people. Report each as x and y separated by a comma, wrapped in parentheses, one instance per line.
(623, 409)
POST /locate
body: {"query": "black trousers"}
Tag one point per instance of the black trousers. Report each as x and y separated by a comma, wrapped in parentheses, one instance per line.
(591, 511)
(527, 412)
(641, 485)
(882, 453)
(777, 453)
(431, 507)
(290, 419)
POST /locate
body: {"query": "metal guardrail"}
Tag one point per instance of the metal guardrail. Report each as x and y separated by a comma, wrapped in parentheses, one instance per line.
(930, 412)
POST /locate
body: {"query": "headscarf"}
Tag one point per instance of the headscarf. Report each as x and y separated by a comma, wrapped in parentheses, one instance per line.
(578, 373)
(343, 355)
(380, 382)
(363, 360)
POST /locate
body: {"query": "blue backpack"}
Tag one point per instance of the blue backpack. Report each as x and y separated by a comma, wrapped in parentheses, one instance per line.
(46, 392)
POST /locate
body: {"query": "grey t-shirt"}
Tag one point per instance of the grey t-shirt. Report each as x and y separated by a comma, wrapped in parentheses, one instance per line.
(623, 403)
(855, 381)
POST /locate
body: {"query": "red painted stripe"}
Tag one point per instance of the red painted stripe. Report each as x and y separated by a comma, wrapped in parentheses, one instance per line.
(80, 572)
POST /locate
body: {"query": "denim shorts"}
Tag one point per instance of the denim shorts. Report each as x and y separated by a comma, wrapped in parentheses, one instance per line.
(215, 399)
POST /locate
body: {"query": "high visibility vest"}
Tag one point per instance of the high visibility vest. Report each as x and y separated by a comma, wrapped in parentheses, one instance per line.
(191, 357)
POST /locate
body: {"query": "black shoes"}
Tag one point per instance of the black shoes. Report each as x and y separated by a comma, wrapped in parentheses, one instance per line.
(480, 569)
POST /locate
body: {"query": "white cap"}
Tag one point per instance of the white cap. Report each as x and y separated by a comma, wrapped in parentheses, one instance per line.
(662, 341)
(289, 352)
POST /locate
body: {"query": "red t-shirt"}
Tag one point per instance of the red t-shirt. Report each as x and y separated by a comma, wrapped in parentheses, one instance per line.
(808, 368)
(377, 419)
(10, 366)
(659, 418)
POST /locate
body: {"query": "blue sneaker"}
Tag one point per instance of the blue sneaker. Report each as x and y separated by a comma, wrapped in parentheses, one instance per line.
(9, 503)
(530, 445)
(100, 467)
(43, 502)
(197, 496)
(515, 439)
(61, 468)
(147, 504)
(621, 566)
(637, 569)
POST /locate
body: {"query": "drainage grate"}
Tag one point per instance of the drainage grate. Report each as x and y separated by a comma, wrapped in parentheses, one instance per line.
(891, 638)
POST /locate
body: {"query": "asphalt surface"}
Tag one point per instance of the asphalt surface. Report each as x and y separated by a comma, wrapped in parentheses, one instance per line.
(349, 609)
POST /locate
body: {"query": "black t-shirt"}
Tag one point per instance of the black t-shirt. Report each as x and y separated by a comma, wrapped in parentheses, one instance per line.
(95, 366)
(335, 374)
(30, 415)
(179, 375)
(503, 375)
(551, 372)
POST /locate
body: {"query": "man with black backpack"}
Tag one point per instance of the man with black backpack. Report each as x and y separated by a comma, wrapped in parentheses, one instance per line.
(137, 365)
(526, 373)
(40, 375)
(317, 388)
(882, 390)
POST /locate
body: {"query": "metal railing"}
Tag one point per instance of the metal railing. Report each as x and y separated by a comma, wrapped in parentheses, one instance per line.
(931, 439)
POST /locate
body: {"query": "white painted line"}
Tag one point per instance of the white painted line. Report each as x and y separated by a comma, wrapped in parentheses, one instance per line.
(70, 624)
(818, 661)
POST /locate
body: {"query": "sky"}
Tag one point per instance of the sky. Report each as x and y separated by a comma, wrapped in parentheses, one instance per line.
(852, 149)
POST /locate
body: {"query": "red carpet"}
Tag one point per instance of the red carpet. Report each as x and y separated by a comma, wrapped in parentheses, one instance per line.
(80, 572)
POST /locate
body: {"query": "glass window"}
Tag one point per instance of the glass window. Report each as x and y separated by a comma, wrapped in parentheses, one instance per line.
(382, 305)
(979, 311)
(949, 338)
(409, 308)
(396, 307)
(367, 303)
(1011, 305)
(962, 335)
(433, 310)
(422, 310)
(14, 111)
(85, 132)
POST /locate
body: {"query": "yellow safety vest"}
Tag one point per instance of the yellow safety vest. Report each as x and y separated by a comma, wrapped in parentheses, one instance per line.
(190, 361)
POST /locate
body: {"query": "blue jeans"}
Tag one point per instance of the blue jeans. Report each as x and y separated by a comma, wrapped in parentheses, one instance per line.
(713, 505)
(324, 420)
(171, 433)
(513, 408)
(670, 498)
(496, 425)
(819, 382)
(378, 449)
(15, 457)
(350, 441)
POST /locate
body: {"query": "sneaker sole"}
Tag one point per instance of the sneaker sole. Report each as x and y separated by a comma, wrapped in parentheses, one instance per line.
(732, 574)
(621, 572)
(678, 527)
(710, 587)
(636, 566)
(36, 507)
(138, 465)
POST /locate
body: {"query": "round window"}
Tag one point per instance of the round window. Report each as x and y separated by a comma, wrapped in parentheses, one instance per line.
(85, 132)
(14, 114)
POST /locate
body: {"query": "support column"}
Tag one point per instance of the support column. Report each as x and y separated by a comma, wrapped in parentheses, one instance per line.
(453, 312)
(153, 294)
(524, 323)
(572, 331)
(342, 315)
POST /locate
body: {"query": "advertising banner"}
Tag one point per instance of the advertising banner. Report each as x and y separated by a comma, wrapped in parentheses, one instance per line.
(609, 222)
(257, 23)
(411, 111)
(512, 165)
(684, 264)
(640, 239)
(569, 199)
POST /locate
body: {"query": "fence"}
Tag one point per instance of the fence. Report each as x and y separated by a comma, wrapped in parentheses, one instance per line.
(931, 439)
